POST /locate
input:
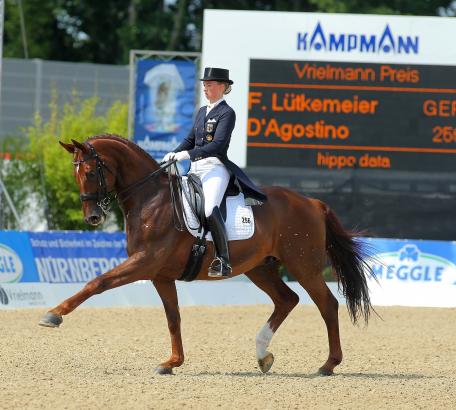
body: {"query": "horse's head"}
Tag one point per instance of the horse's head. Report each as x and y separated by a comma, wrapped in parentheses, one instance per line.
(95, 179)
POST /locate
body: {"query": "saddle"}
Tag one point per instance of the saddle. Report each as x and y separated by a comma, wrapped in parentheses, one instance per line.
(195, 197)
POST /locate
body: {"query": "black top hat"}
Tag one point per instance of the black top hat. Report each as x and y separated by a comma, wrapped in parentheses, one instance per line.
(216, 74)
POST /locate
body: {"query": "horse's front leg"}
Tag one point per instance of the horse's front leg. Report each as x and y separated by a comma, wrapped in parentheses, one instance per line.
(128, 271)
(168, 294)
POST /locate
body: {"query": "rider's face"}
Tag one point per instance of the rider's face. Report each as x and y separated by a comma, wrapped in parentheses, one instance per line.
(213, 90)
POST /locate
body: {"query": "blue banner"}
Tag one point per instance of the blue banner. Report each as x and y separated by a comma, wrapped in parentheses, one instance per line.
(165, 102)
(77, 257)
(58, 257)
(68, 257)
(414, 261)
(16, 258)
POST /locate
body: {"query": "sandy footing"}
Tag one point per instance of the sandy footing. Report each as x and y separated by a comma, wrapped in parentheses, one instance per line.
(104, 359)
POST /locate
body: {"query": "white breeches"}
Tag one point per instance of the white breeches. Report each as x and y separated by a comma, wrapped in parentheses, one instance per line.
(215, 178)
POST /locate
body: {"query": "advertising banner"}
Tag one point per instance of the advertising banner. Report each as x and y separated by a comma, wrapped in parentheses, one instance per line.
(165, 102)
(75, 257)
(16, 258)
(58, 257)
(43, 268)
(413, 272)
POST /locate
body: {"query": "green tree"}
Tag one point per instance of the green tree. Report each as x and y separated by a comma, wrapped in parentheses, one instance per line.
(87, 31)
(45, 37)
(44, 171)
(105, 32)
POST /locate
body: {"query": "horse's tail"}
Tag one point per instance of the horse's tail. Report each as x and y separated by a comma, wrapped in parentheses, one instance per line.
(348, 259)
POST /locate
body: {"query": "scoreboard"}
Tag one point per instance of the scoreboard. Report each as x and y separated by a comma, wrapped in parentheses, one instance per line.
(339, 115)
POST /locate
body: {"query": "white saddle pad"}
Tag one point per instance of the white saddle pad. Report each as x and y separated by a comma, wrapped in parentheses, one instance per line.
(239, 217)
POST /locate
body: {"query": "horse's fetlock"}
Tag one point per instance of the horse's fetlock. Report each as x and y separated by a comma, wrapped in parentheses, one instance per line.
(177, 361)
(336, 360)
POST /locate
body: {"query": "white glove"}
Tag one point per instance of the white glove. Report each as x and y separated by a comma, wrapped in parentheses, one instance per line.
(180, 156)
(168, 157)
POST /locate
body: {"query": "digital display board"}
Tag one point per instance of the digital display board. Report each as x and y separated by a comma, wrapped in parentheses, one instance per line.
(339, 115)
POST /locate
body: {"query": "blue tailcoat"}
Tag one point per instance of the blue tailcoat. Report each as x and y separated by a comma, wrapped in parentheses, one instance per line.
(210, 137)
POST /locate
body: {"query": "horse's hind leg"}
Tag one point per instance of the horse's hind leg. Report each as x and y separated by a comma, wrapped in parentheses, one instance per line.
(311, 280)
(329, 308)
(266, 277)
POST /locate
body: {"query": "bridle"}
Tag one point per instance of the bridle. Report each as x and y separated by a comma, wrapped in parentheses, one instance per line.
(103, 197)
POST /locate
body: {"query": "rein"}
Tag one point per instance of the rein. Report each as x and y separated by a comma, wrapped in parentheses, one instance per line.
(105, 198)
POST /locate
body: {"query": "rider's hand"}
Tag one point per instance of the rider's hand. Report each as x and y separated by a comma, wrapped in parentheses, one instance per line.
(180, 156)
(168, 157)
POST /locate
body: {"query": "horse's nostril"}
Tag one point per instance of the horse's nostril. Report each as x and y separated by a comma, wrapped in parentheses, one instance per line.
(94, 219)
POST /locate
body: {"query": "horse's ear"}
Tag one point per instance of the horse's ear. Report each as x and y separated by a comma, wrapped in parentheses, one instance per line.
(80, 146)
(69, 147)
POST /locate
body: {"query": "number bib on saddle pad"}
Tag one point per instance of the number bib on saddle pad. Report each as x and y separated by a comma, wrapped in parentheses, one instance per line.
(239, 222)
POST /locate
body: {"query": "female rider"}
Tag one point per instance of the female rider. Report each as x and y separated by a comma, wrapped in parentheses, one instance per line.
(206, 146)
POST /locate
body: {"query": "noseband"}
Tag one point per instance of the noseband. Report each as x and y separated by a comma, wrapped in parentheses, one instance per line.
(102, 196)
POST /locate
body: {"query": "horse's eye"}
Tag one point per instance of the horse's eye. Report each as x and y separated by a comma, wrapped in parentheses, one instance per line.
(90, 174)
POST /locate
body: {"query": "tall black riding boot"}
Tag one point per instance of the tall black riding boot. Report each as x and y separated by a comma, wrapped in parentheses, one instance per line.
(220, 266)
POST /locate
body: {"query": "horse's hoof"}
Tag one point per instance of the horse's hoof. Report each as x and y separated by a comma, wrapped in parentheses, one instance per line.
(325, 372)
(51, 320)
(266, 362)
(163, 370)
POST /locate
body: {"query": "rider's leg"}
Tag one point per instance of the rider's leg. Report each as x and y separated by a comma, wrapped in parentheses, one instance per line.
(214, 186)
(214, 183)
(220, 266)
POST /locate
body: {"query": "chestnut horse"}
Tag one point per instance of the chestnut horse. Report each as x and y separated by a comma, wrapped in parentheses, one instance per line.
(291, 229)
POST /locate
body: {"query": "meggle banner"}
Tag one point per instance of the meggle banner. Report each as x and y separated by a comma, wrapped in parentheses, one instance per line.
(413, 272)
(165, 102)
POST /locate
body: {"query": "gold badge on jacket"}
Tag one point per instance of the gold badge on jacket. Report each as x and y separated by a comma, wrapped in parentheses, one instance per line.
(209, 137)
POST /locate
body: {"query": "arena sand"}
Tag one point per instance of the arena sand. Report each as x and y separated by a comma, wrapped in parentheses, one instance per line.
(104, 359)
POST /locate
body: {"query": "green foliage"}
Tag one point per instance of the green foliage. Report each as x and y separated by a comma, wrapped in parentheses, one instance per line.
(44, 36)
(45, 168)
(86, 30)
(13, 168)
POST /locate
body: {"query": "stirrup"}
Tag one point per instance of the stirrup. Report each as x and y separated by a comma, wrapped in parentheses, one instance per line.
(219, 268)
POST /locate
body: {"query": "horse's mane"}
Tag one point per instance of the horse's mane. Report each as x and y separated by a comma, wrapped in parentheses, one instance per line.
(124, 141)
